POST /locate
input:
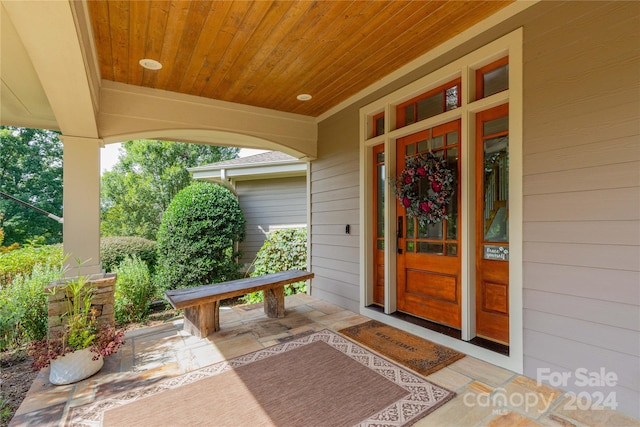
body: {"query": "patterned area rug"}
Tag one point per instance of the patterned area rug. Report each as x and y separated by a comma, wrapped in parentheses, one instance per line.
(317, 379)
(424, 357)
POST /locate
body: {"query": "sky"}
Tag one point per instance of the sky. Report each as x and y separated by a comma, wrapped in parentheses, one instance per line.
(109, 155)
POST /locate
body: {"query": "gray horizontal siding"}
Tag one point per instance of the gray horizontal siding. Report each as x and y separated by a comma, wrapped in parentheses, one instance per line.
(269, 204)
(600, 232)
(334, 204)
(620, 286)
(581, 193)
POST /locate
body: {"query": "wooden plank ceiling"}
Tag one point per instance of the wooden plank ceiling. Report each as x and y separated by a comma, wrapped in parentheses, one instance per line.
(265, 53)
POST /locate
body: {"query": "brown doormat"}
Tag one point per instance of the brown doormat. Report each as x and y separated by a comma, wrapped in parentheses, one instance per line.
(321, 379)
(424, 357)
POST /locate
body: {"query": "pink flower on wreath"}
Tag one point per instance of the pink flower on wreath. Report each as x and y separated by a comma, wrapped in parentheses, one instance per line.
(411, 172)
(424, 207)
(440, 200)
(436, 186)
(422, 172)
(408, 179)
(406, 202)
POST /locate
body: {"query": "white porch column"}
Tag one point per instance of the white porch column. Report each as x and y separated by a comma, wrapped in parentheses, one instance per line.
(81, 204)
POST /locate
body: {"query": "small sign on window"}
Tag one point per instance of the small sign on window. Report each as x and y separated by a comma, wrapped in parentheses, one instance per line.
(495, 252)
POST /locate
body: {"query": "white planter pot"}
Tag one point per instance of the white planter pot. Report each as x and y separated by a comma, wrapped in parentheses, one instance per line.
(73, 367)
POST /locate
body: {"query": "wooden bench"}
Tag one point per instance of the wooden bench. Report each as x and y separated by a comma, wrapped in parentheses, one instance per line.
(201, 304)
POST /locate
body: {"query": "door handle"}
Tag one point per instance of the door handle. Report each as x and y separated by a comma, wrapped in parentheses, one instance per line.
(399, 234)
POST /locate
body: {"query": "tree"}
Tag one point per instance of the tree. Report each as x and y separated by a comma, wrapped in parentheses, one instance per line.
(197, 235)
(144, 181)
(30, 170)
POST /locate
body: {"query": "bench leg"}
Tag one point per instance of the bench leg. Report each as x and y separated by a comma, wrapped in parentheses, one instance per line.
(274, 302)
(202, 320)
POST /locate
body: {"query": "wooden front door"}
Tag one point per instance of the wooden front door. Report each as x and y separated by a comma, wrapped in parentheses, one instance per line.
(428, 259)
(492, 224)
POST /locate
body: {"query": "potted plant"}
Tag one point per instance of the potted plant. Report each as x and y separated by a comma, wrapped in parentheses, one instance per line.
(76, 350)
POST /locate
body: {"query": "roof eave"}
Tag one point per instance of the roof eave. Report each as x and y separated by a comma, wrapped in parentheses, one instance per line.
(248, 172)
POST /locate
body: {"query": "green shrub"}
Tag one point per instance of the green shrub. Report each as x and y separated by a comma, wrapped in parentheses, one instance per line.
(135, 291)
(284, 249)
(114, 250)
(22, 261)
(196, 237)
(23, 306)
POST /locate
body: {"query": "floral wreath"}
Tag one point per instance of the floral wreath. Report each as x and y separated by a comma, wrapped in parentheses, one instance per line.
(431, 207)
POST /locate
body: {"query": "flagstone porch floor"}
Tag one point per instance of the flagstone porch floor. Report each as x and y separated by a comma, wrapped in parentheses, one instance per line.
(152, 354)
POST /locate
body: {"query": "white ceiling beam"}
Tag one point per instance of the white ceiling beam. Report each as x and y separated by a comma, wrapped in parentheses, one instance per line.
(48, 31)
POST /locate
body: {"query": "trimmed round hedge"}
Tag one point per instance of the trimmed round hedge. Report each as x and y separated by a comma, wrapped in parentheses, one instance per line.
(197, 235)
(115, 249)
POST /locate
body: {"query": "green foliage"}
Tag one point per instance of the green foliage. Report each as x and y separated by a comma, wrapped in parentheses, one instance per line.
(284, 249)
(82, 324)
(135, 291)
(197, 235)
(22, 261)
(144, 181)
(115, 249)
(5, 411)
(31, 170)
(23, 306)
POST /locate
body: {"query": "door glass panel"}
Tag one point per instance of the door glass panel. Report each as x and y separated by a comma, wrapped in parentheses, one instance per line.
(422, 231)
(380, 157)
(410, 228)
(452, 138)
(409, 114)
(495, 81)
(452, 249)
(434, 231)
(430, 231)
(380, 200)
(430, 248)
(411, 247)
(381, 244)
(423, 146)
(437, 142)
(495, 126)
(452, 209)
(411, 149)
(431, 106)
(496, 189)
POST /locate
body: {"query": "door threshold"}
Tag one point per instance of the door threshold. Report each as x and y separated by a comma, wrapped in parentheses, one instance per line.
(445, 330)
(490, 345)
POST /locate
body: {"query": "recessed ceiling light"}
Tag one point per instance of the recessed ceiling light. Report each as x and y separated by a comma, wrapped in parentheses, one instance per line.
(150, 64)
(304, 97)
